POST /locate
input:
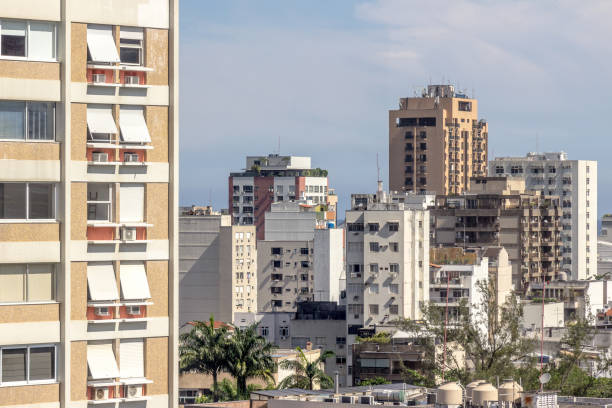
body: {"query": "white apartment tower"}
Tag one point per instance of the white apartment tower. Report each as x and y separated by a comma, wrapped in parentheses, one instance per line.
(575, 182)
(88, 203)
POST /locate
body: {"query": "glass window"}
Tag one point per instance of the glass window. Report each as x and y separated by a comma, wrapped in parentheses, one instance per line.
(41, 41)
(26, 364)
(130, 45)
(42, 363)
(41, 201)
(12, 120)
(14, 365)
(13, 41)
(13, 201)
(41, 117)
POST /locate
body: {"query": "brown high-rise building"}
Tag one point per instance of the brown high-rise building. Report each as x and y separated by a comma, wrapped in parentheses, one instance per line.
(436, 142)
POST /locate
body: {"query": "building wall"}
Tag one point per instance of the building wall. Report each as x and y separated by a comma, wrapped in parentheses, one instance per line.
(328, 264)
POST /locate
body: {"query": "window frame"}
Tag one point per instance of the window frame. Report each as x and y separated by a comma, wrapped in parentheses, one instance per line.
(26, 123)
(27, 218)
(26, 293)
(27, 41)
(28, 347)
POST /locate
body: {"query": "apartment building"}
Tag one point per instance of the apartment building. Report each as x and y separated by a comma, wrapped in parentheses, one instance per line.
(88, 198)
(436, 142)
(575, 182)
(301, 258)
(217, 267)
(499, 212)
(275, 178)
(387, 258)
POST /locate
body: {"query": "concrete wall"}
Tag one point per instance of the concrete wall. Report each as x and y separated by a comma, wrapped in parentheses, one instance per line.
(328, 264)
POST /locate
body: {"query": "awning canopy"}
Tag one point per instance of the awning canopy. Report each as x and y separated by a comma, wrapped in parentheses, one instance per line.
(100, 119)
(101, 44)
(131, 358)
(133, 125)
(101, 282)
(134, 284)
(101, 361)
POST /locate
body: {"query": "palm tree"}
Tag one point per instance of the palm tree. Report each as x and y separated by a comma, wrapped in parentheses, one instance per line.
(307, 373)
(203, 350)
(249, 356)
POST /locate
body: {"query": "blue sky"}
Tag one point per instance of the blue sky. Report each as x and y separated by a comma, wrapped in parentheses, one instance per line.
(323, 74)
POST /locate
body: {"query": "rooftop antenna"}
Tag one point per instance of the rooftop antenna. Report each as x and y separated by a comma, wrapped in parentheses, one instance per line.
(210, 196)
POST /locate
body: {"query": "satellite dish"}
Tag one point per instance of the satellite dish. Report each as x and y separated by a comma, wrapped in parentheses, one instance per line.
(544, 378)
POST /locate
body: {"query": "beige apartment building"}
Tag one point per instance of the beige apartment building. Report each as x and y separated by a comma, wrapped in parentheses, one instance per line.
(88, 199)
(436, 142)
(217, 267)
(499, 212)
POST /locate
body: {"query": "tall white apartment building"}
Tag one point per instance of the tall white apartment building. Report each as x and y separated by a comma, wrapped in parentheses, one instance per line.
(575, 182)
(88, 203)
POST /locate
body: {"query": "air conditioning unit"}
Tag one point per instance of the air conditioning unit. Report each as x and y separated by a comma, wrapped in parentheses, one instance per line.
(132, 80)
(100, 394)
(133, 391)
(366, 400)
(348, 399)
(128, 234)
(334, 400)
(133, 310)
(130, 157)
(99, 157)
(99, 78)
(102, 311)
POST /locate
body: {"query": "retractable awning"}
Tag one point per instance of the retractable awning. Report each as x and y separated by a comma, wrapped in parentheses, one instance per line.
(101, 44)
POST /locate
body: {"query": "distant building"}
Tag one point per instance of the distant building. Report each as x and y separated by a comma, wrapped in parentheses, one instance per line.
(275, 178)
(218, 262)
(436, 142)
(575, 182)
(499, 212)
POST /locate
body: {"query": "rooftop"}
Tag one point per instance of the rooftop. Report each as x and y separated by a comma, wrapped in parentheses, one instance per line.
(533, 156)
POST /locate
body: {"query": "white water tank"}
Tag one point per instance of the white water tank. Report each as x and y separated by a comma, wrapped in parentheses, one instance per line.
(470, 387)
(510, 391)
(483, 394)
(450, 393)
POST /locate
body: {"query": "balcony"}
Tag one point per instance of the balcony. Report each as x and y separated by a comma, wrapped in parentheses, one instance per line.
(114, 392)
(102, 232)
(117, 76)
(117, 312)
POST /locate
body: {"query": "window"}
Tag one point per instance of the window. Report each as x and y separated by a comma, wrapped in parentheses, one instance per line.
(374, 309)
(101, 282)
(264, 330)
(283, 331)
(340, 340)
(394, 288)
(277, 303)
(27, 201)
(374, 247)
(499, 169)
(373, 227)
(304, 251)
(27, 364)
(305, 264)
(130, 45)
(374, 268)
(340, 360)
(393, 309)
(134, 283)
(393, 267)
(465, 106)
(101, 361)
(409, 135)
(27, 40)
(393, 226)
(374, 288)
(423, 146)
(131, 202)
(27, 283)
(131, 358)
(355, 226)
(99, 201)
(27, 120)
(133, 125)
(277, 264)
(277, 251)
(394, 246)
(13, 41)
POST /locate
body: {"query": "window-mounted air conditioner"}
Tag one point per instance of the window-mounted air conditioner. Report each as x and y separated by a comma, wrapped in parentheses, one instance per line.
(132, 80)
(133, 391)
(100, 157)
(133, 310)
(130, 157)
(100, 394)
(99, 78)
(128, 234)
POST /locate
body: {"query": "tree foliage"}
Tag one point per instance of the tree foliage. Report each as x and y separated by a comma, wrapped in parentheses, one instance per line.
(374, 381)
(307, 373)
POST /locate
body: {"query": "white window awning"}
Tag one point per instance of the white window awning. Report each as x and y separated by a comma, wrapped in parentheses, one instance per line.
(100, 119)
(133, 125)
(131, 358)
(134, 284)
(101, 361)
(101, 282)
(101, 44)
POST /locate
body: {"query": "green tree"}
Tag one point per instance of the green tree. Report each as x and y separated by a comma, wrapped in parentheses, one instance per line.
(375, 381)
(307, 373)
(202, 350)
(249, 356)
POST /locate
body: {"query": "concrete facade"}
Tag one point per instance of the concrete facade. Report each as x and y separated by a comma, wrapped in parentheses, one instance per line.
(436, 142)
(89, 225)
(575, 182)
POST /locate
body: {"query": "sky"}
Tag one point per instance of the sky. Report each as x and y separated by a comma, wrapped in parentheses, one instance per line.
(319, 77)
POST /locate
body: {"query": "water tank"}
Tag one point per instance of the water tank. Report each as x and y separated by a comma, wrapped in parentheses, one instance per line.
(450, 393)
(470, 387)
(484, 393)
(510, 391)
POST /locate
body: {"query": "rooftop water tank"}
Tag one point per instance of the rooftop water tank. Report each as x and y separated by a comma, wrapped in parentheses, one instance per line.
(484, 393)
(510, 391)
(470, 387)
(450, 393)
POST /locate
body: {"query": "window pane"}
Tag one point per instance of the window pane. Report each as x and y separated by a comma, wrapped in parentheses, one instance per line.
(12, 120)
(130, 55)
(12, 283)
(12, 201)
(40, 282)
(40, 121)
(13, 39)
(41, 201)
(13, 365)
(41, 42)
(42, 364)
